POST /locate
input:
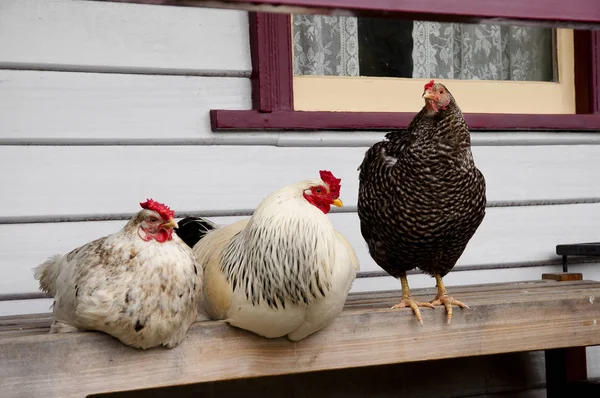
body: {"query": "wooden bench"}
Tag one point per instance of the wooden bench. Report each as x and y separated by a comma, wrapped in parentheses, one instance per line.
(509, 317)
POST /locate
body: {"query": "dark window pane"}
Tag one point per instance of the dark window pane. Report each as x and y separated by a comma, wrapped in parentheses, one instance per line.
(385, 47)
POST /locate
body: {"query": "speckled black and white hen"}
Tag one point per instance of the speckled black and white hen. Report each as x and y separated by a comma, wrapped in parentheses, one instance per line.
(421, 197)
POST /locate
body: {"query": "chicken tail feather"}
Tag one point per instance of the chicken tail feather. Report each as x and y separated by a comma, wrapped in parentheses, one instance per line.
(47, 273)
(192, 229)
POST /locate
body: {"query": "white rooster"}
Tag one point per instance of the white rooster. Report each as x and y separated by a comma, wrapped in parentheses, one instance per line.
(141, 285)
(285, 271)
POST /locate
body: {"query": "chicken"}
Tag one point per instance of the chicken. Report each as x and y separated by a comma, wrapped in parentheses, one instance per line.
(141, 285)
(285, 271)
(421, 197)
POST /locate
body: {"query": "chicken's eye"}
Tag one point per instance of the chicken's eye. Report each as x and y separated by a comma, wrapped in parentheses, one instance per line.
(153, 219)
(441, 91)
(318, 190)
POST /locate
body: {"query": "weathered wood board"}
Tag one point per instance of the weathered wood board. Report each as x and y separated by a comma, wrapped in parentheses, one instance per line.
(516, 317)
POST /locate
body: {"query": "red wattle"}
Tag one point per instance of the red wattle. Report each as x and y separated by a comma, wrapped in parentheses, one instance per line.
(324, 207)
(161, 236)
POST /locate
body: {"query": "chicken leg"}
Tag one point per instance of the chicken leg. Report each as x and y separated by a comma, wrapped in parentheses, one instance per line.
(443, 298)
(409, 301)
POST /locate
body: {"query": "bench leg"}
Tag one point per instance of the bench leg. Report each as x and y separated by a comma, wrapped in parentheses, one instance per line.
(563, 367)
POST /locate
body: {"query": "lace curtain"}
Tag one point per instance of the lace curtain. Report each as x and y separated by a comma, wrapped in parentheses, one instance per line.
(490, 52)
(328, 46)
(325, 46)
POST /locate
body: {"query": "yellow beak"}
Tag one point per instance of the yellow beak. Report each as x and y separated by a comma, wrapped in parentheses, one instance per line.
(429, 96)
(337, 203)
(170, 224)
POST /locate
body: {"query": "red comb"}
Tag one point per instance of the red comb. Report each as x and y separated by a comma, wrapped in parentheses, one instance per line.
(164, 211)
(333, 183)
(429, 85)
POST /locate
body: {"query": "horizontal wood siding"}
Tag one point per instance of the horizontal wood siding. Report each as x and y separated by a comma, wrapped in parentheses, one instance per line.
(42, 107)
(104, 104)
(110, 37)
(92, 181)
(509, 237)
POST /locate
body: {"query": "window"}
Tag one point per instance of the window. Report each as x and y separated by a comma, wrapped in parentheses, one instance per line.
(360, 64)
(284, 100)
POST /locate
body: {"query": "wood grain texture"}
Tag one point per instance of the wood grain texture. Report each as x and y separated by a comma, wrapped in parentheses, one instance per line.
(508, 237)
(505, 319)
(96, 180)
(579, 13)
(132, 38)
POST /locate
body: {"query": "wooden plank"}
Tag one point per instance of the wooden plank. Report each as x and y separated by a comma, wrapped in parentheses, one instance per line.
(90, 181)
(94, 108)
(508, 237)
(514, 292)
(581, 14)
(505, 289)
(215, 351)
(499, 373)
(104, 36)
(454, 280)
(13, 323)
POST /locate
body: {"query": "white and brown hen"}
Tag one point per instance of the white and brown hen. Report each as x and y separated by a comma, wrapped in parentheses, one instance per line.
(140, 285)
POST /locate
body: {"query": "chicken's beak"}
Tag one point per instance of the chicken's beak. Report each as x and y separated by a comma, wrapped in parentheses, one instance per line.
(337, 203)
(429, 95)
(170, 224)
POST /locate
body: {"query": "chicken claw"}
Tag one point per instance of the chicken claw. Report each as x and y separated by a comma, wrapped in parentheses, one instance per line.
(414, 304)
(447, 301)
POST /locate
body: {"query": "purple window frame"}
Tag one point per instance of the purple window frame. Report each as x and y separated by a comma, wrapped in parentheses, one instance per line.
(273, 97)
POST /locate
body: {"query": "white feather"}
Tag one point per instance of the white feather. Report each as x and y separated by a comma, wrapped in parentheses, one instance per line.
(288, 250)
(143, 293)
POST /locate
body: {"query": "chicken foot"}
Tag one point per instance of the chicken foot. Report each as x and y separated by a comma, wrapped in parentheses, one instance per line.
(443, 298)
(409, 301)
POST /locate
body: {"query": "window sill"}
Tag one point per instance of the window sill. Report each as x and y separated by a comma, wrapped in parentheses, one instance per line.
(232, 120)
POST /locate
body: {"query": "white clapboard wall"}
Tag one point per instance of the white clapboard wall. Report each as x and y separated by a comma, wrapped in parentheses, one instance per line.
(105, 104)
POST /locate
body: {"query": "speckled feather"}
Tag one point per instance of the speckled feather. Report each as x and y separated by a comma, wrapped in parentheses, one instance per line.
(145, 293)
(284, 271)
(421, 197)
